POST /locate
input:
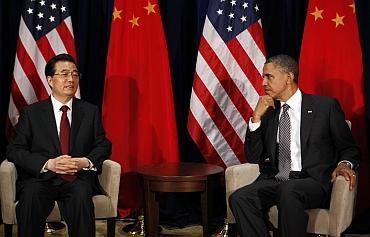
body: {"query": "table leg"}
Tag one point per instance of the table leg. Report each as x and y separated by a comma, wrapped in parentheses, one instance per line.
(151, 211)
(204, 204)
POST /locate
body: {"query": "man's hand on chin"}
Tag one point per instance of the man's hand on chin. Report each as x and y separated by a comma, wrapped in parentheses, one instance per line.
(263, 103)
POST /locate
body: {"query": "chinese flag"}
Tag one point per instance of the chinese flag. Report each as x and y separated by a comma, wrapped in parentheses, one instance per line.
(331, 63)
(138, 109)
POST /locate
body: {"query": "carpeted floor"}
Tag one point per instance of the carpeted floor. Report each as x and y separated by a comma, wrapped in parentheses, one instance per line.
(189, 231)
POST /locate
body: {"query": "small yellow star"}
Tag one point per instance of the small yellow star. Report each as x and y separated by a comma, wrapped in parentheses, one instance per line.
(338, 20)
(150, 8)
(116, 14)
(134, 21)
(317, 13)
(353, 7)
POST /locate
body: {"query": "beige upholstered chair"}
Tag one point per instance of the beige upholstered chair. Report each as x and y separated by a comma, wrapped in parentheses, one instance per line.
(105, 205)
(332, 221)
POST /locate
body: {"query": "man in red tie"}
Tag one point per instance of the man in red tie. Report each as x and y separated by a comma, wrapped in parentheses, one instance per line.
(58, 148)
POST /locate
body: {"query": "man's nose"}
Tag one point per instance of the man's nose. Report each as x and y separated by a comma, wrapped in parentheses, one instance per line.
(69, 77)
(264, 81)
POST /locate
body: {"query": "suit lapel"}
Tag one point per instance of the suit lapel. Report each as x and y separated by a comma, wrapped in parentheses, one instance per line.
(49, 122)
(307, 116)
(77, 117)
(272, 129)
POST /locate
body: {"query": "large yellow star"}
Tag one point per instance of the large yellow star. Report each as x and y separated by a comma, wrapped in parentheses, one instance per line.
(116, 14)
(134, 21)
(317, 13)
(353, 7)
(338, 20)
(150, 7)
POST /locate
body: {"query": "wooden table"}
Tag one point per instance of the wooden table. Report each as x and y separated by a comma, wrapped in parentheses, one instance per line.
(177, 177)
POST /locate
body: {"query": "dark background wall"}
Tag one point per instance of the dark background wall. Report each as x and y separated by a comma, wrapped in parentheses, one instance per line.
(282, 20)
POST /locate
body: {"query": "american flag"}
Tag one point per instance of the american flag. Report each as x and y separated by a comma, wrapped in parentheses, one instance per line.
(45, 30)
(227, 81)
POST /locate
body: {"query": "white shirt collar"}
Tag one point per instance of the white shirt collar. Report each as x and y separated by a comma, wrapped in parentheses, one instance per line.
(57, 104)
(294, 101)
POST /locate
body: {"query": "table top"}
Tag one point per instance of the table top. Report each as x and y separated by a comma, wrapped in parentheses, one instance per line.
(179, 171)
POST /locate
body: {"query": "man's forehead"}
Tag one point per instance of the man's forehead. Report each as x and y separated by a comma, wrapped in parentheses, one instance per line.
(271, 67)
(65, 65)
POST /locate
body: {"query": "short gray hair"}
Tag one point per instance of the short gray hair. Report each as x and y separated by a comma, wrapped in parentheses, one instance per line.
(286, 63)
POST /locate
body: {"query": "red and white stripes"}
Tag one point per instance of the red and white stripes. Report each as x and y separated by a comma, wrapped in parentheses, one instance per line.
(226, 89)
(29, 83)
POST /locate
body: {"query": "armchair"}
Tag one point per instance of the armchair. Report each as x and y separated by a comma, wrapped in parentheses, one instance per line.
(105, 205)
(331, 222)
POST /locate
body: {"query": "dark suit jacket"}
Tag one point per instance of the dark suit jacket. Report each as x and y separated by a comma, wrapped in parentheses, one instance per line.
(325, 139)
(36, 140)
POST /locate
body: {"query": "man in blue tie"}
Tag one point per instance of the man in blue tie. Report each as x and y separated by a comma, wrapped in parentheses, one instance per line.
(307, 142)
(58, 148)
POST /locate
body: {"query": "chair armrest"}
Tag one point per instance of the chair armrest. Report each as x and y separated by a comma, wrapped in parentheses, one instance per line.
(110, 179)
(8, 177)
(236, 177)
(341, 206)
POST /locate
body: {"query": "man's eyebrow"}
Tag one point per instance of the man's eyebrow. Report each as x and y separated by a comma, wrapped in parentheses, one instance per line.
(67, 70)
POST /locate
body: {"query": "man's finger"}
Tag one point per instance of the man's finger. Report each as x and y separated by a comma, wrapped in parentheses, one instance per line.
(353, 181)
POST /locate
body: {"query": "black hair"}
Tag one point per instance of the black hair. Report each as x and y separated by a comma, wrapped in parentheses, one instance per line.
(285, 63)
(50, 66)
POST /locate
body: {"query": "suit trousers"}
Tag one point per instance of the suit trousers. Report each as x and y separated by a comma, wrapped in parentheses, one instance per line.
(36, 200)
(251, 203)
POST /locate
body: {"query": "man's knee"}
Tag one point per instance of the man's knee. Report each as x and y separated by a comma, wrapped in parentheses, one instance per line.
(286, 193)
(34, 193)
(83, 193)
(241, 196)
(32, 189)
(235, 197)
(232, 199)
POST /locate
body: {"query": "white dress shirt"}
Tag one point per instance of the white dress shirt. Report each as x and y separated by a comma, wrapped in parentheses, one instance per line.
(58, 116)
(58, 113)
(295, 104)
(294, 111)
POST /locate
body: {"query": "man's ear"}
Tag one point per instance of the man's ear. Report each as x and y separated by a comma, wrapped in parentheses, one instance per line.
(290, 77)
(50, 81)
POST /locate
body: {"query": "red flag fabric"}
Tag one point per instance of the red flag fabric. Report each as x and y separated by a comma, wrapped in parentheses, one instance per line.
(228, 80)
(138, 108)
(45, 30)
(331, 61)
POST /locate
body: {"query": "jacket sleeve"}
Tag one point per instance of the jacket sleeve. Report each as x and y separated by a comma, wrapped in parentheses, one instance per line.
(19, 148)
(254, 147)
(342, 136)
(101, 148)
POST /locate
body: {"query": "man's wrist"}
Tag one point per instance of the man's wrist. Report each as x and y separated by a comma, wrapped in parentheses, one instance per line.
(44, 168)
(256, 119)
(88, 164)
(345, 163)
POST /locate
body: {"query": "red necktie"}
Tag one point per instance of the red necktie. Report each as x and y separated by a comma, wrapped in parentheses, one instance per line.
(64, 139)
